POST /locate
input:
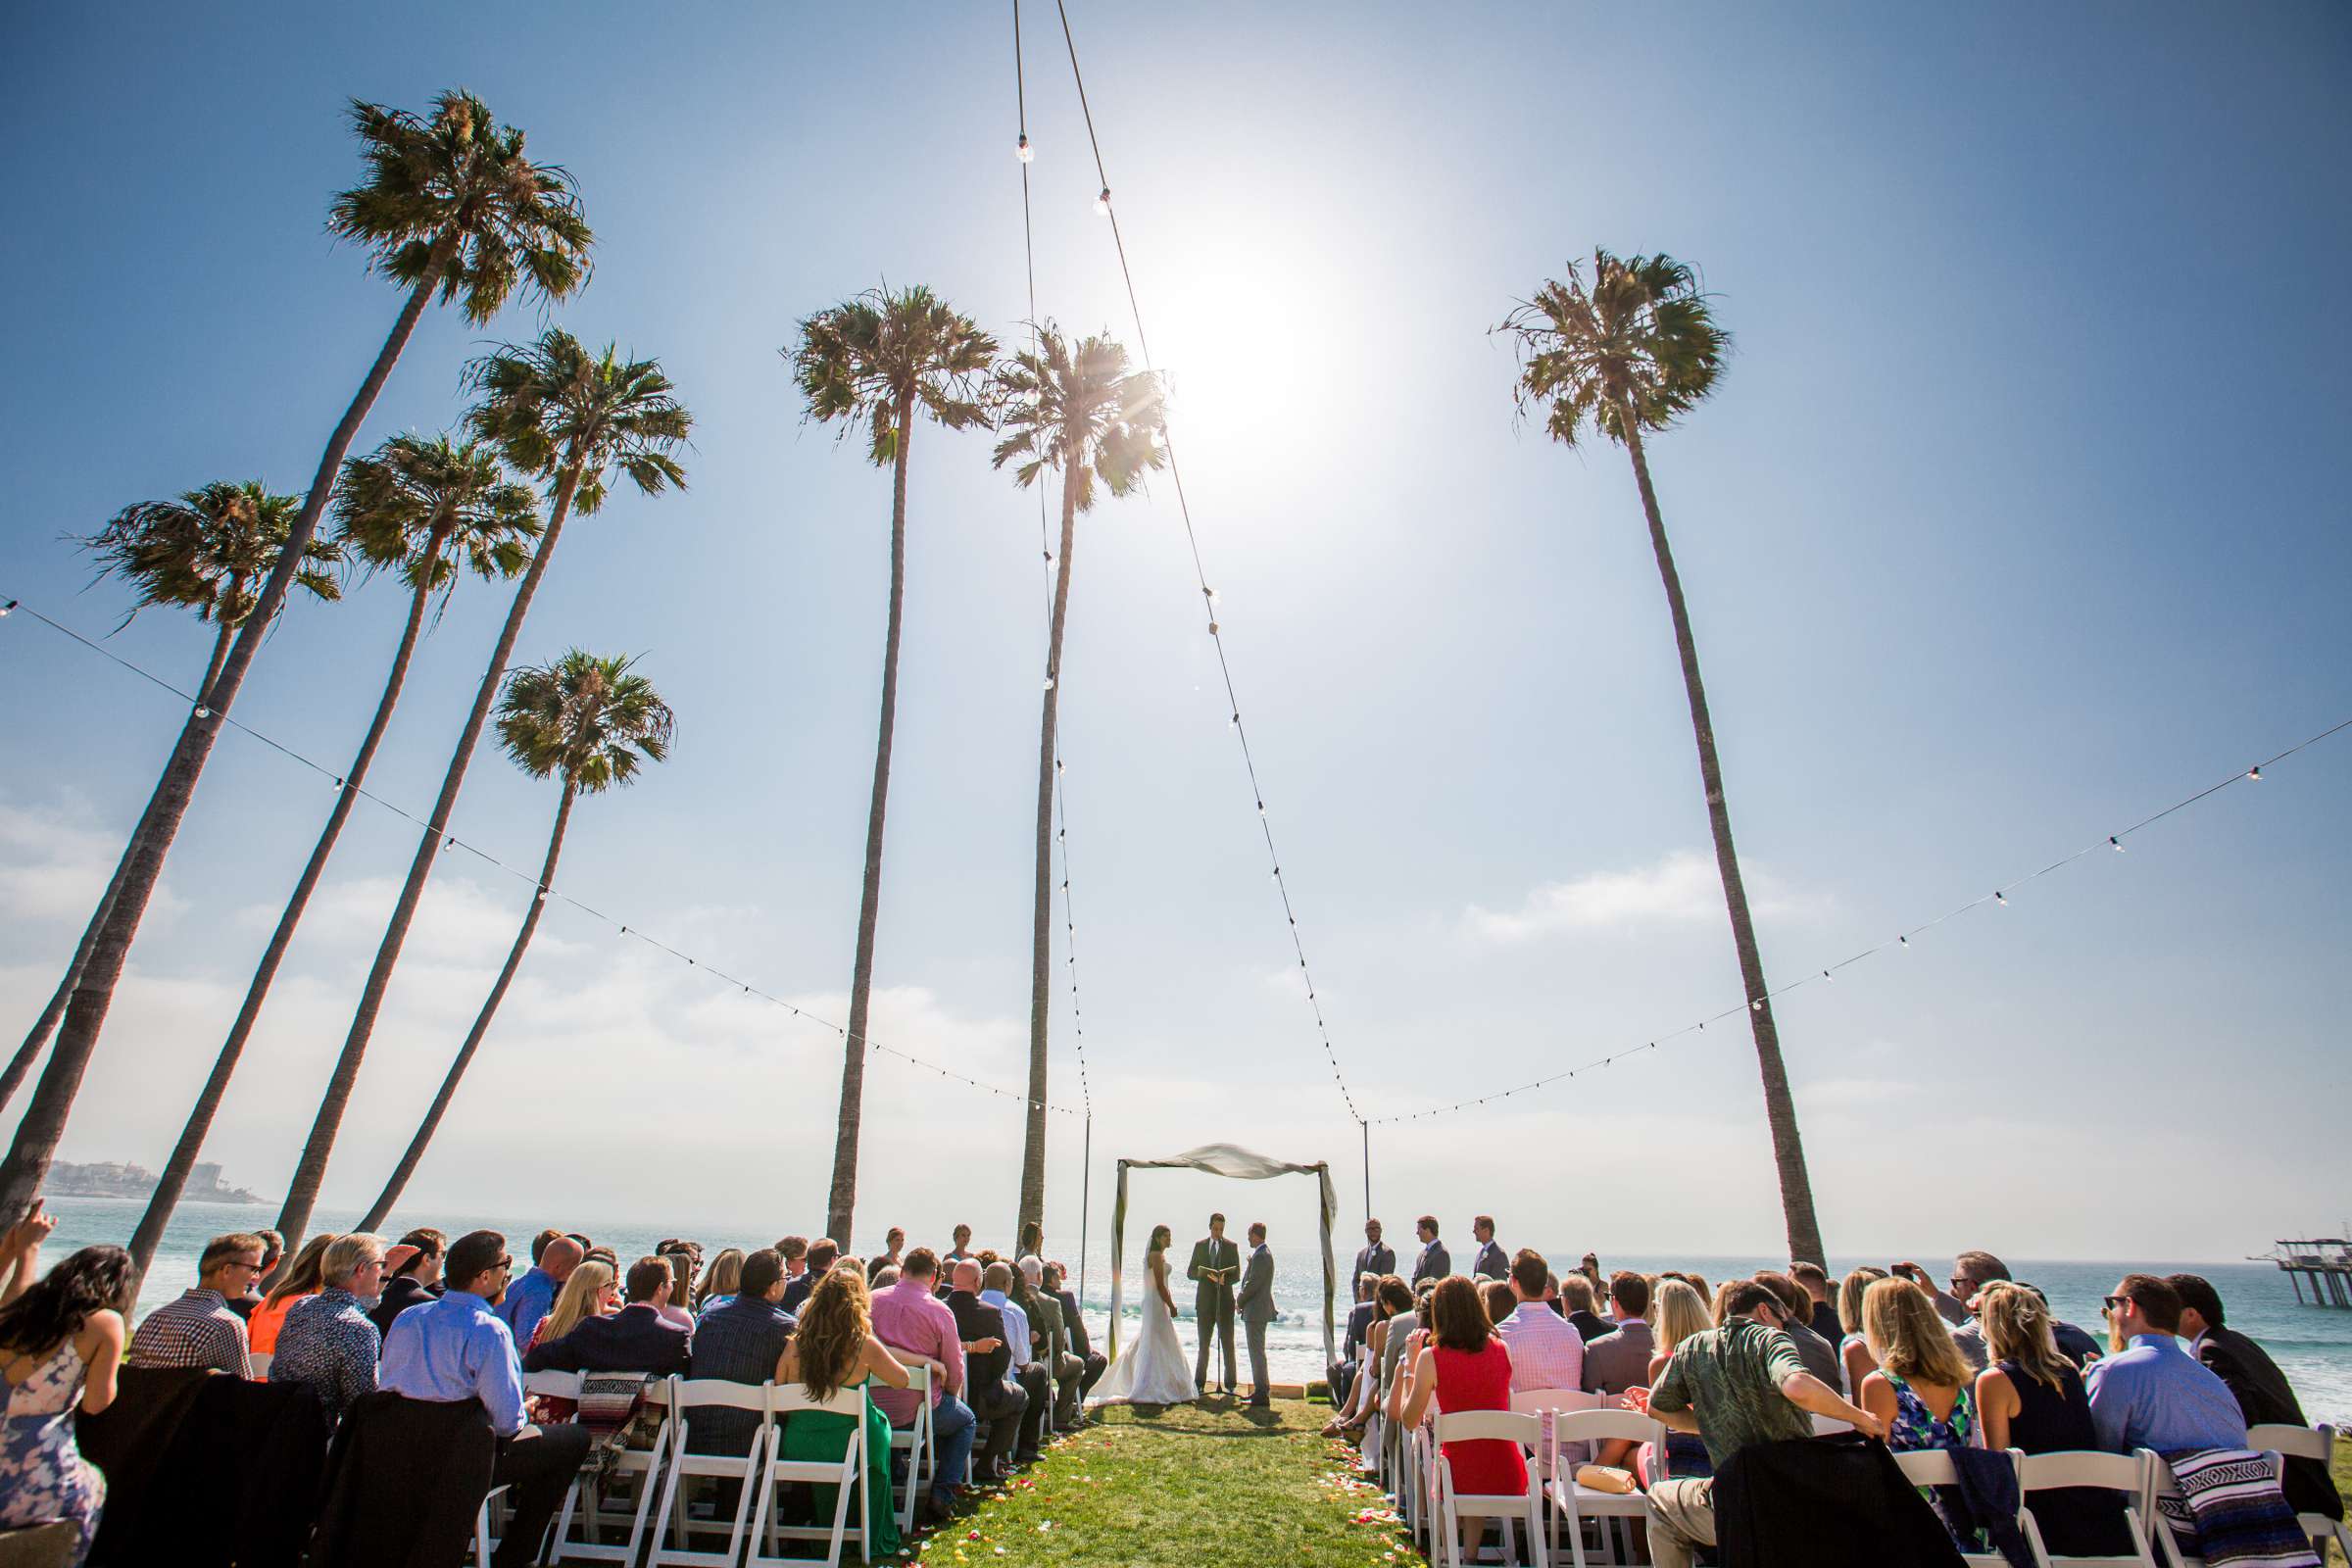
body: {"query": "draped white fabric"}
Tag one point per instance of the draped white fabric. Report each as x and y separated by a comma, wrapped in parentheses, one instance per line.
(1241, 1164)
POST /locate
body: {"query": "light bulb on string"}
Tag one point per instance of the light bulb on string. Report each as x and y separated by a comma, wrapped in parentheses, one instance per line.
(1904, 942)
(451, 842)
(542, 898)
(5, 609)
(1756, 1006)
(203, 711)
(2255, 773)
(1102, 202)
(1023, 151)
(2115, 844)
(2000, 897)
(1049, 683)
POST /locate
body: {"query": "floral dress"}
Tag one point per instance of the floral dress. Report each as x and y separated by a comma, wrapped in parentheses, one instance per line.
(43, 1476)
(1915, 1428)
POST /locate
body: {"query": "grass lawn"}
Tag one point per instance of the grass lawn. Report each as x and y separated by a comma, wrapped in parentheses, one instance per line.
(1188, 1486)
(2342, 1467)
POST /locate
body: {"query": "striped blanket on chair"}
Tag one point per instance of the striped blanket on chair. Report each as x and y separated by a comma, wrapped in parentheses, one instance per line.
(2231, 1511)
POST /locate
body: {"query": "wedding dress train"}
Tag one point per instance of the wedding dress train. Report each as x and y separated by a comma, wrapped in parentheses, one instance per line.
(1153, 1369)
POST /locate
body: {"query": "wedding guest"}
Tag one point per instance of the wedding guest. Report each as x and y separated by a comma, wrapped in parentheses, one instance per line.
(1822, 1319)
(1338, 1376)
(916, 1324)
(1682, 1314)
(1578, 1304)
(2031, 1399)
(795, 1253)
(1853, 1345)
(300, 1278)
(1820, 1355)
(2150, 1393)
(1020, 1335)
(196, 1328)
(60, 1344)
(683, 1266)
(964, 1245)
(720, 1281)
(1923, 1389)
(1464, 1367)
(1546, 1351)
(993, 1396)
(1378, 1258)
(1491, 1262)
(1433, 1263)
(835, 1348)
(638, 1337)
(328, 1340)
(2263, 1393)
(592, 1291)
(456, 1349)
(554, 1256)
(1390, 1297)
(1057, 1282)
(412, 1274)
(1619, 1359)
(822, 1254)
(1737, 1384)
(274, 1248)
(740, 1340)
(1063, 1368)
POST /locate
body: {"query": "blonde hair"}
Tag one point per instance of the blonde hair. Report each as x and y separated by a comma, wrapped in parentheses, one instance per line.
(302, 1275)
(345, 1255)
(834, 1328)
(1907, 1338)
(724, 1276)
(579, 1300)
(1849, 1296)
(2017, 1328)
(1681, 1313)
(1722, 1299)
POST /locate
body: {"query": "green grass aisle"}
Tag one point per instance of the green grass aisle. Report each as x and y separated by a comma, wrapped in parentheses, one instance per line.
(1189, 1486)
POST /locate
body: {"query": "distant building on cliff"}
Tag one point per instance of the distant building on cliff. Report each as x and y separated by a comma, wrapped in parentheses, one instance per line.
(114, 1179)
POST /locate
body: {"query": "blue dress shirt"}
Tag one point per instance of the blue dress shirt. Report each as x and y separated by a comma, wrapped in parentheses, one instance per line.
(2152, 1394)
(1016, 1327)
(527, 1301)
(452, 1349)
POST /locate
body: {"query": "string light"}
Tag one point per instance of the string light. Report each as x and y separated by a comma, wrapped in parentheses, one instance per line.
(1102, 202)
(2000, 897)
(1022, 150)
(5, 609)
(203, 711)
(2115, 844)
(2255, 773)
(451, 842)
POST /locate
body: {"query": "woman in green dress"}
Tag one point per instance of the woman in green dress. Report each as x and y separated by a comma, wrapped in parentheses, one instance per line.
(835, 1348)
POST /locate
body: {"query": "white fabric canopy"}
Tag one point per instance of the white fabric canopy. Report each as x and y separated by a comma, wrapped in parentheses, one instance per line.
(1241, 1164)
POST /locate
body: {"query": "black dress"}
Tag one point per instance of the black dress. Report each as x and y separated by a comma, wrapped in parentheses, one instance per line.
(2074, 1521)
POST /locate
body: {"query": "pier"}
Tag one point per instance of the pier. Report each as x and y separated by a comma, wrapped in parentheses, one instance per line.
(2326, 1262)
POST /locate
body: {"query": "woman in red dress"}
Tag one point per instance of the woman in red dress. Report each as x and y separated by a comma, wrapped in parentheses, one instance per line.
(1467, 1368)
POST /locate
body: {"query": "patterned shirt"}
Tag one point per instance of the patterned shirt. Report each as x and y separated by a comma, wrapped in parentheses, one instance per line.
(328, 1343)
(1732, 1378)
(1546, 1351)
(196, 1329)
(741, 1342)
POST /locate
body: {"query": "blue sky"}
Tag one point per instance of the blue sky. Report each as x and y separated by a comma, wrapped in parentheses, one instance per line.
(2019, 515)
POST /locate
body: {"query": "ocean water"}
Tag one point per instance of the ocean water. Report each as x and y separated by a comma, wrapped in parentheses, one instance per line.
(2311, 1345)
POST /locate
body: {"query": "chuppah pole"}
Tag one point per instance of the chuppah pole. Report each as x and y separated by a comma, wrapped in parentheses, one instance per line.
(1086, 1173)
(1365, 1128)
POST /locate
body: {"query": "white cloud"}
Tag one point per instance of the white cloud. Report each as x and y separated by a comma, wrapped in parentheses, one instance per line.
(1681, 888)
(54, 861)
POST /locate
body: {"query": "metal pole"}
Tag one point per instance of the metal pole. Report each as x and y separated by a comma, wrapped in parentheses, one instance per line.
(1366, 1128)
(1086, 1173)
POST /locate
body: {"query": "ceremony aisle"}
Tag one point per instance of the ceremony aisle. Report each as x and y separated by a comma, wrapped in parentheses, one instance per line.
(1204, 1484)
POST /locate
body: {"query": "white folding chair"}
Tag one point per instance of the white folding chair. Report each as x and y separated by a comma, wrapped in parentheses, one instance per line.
(918, 1443)
(1546, 1403)
(1514, 1509)
(484, 1542)
(1413, 1464)
(260, 1363)
(675, 1544)
(2162, 1485)
(1577, 1504)
(643, 1469)
(2110, 1472)
(1936, 1467)
(2306, 1442)
(846, 1476)
(1826, 1425)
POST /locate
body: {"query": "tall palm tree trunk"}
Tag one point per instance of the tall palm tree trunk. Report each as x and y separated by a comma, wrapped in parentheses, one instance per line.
(39, 1034)
(199, 1126)
(1041, 932)
(310, 1173)
(1780, 1107)
(44, 1121)
(481, 1024)
(843, 1201)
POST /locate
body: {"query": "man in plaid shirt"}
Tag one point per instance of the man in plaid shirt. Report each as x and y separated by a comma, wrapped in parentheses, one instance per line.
(198, 1329)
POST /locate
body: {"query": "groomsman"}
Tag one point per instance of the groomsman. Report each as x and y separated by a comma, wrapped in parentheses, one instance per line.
(1490, 1263)
(1433, 1263)
(1377, 1257)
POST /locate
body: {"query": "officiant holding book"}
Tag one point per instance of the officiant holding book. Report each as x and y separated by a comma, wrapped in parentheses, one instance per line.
(1216, 1264)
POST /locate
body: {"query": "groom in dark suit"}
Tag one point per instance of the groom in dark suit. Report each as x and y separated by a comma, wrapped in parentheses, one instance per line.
(1257, 1306)
(1215, 1263)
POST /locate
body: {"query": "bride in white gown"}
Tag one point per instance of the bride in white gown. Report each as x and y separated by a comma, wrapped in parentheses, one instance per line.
(1153, 1371)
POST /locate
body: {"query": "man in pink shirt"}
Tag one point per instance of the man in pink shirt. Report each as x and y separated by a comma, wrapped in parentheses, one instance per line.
(908, 1317)
(1546, 1351)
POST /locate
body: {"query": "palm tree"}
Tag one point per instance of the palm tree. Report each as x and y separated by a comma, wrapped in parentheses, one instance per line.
(588, 719)
(570, 417)
(880, 360)
(1632, 352)
(204, 551)
(428, 507)
(452, 204)
(1080, 409)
